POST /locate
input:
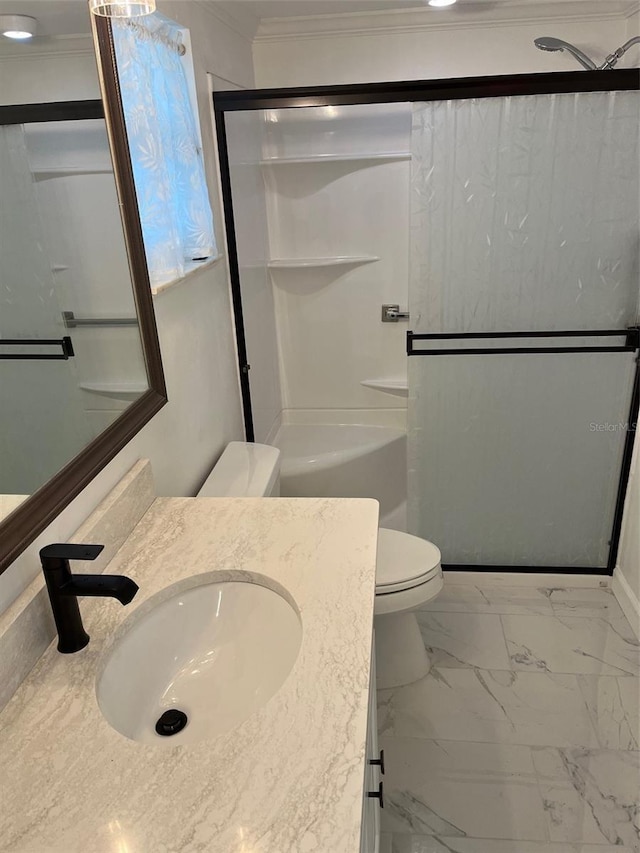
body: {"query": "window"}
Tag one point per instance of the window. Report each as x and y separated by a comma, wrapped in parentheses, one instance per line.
(165, 146)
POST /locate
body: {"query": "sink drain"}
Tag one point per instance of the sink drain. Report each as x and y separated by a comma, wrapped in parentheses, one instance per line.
(171, 722)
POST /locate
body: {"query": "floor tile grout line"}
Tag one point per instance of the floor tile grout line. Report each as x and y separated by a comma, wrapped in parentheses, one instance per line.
(530, 746)
(529, 671)
(507, 744)
(542, 846)
(565, 846)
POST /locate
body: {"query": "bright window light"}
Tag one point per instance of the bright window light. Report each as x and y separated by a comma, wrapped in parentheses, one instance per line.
(442, 3)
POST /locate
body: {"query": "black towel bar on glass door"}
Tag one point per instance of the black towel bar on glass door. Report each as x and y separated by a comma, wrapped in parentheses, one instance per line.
(631, 343)
(65, 344)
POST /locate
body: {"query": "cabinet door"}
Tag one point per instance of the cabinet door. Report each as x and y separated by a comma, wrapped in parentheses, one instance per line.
(370, 837)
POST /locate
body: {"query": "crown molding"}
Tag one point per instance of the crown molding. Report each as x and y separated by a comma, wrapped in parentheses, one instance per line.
(66, 45)
(234, 15)
(508, 13)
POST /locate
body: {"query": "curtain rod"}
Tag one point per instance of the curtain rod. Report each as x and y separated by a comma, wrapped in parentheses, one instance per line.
(143, 32)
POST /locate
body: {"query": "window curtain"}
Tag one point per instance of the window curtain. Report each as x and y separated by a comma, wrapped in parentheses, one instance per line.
(166, 156)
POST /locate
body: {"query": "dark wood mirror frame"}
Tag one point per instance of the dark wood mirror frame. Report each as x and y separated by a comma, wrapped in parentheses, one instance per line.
(22, 526)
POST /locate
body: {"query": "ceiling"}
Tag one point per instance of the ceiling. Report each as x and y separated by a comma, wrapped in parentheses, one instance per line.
(64, 17)
(295, 8)
(55, 17)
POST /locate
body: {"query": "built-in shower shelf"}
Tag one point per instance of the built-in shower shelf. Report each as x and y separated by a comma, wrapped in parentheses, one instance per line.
(389, 157)
(309, 263)
(397, 387)
(68, 171)
(116, 390)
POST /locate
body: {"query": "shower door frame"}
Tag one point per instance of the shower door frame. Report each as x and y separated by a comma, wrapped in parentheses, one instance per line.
(412, 91)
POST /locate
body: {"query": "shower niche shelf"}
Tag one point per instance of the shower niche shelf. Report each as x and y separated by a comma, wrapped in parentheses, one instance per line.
(388, 157)
(397, 387)
(312, 263)
(117, 390)
(45, 174)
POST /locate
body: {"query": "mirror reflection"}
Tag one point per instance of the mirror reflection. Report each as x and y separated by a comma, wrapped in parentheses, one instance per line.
(71, 359)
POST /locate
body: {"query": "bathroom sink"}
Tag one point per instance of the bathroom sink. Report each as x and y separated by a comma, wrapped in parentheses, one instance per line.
(199, 663)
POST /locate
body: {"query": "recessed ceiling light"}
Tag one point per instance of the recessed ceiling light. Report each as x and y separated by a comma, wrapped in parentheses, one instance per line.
(19, 27)
(442, 3)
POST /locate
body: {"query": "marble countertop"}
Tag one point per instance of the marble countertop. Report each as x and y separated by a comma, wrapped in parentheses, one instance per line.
(287, 780)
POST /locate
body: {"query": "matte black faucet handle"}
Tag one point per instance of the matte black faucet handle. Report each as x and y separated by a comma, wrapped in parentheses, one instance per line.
(69, 551)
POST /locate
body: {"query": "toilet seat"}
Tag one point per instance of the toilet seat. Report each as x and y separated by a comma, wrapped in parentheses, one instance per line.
(404, 562)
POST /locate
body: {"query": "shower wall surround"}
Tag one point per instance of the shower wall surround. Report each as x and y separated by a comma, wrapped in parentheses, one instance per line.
(336, 193)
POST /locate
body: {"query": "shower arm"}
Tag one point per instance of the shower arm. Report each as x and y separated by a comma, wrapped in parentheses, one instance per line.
(612, 60)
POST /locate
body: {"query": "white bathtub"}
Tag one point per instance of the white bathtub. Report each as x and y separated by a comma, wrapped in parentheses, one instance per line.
(346, 461)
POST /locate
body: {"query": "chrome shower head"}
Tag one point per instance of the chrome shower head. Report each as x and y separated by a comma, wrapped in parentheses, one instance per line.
(552, 44)
(548, 43)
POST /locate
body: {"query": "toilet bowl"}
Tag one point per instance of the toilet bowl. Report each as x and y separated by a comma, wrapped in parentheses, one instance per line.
(408, 572)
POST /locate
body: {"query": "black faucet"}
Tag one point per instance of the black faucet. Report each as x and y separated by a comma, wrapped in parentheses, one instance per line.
(64, 589)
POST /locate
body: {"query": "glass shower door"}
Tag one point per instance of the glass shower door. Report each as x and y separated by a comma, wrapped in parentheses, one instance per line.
(34, 377)
(523, 289)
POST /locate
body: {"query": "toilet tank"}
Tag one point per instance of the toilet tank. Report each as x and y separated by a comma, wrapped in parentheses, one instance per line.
(245, 470)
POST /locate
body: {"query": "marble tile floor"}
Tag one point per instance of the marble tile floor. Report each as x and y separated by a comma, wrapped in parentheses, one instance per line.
(525, 735)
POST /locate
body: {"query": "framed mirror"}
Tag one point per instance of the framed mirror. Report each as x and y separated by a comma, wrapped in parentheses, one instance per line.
(80, 365)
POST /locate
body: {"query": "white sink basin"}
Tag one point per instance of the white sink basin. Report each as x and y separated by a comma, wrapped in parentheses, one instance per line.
(216, 652)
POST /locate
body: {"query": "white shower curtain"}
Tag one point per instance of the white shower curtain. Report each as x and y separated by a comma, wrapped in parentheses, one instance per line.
(524, 216)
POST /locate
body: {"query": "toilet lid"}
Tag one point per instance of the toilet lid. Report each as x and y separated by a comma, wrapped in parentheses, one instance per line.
(404, 561)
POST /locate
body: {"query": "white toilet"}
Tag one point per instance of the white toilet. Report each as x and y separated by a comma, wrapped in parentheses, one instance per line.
(408, 574)
(408, 569)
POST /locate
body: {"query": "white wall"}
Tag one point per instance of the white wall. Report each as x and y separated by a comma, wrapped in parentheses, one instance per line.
(410, 50)
(195, 328)
(63, 69)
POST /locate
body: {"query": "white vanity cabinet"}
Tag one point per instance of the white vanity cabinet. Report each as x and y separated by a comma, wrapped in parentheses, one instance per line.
(374, 770)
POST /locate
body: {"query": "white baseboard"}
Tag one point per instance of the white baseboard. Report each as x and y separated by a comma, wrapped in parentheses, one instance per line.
(530, 579)
(627, 600)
